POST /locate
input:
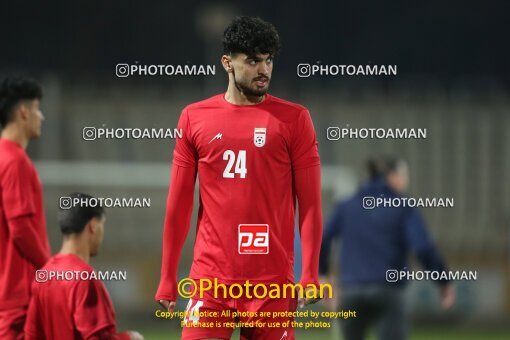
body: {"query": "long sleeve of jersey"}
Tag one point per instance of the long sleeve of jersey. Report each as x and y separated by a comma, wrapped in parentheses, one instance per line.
(177, 222)
(27, 241)
(308, 190)
(307, 185)
(19, 208)
(179, 207)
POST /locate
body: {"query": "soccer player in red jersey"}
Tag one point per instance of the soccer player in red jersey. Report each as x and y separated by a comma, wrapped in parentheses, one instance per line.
(254, 155)
(24, 245)
(75, 308)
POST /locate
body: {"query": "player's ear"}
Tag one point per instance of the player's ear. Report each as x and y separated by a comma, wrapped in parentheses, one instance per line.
(226, 61)
(92, 226)
(22, 110)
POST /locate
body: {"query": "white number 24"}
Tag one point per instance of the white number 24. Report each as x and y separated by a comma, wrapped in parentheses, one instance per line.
(240, 167)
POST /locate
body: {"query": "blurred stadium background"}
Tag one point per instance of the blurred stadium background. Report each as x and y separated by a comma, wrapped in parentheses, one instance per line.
(453, 79)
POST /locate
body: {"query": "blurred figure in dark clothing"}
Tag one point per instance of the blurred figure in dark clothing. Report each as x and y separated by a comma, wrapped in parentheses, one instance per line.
(375, 241)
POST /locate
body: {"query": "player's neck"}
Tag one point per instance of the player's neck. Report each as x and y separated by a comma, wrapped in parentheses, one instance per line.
(15, 134)
(236, 97)
(76, 246)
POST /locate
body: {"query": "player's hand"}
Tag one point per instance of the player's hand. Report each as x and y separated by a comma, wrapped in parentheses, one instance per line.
(134, 335)
(447, 296)
(330, 303)
(304, 301)
(168, 305)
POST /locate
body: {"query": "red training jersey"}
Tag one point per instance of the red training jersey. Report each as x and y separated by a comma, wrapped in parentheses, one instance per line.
(74, 309)
(246, 157)
(20, 196)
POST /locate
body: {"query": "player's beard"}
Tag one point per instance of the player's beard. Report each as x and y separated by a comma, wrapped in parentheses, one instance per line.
(247, 90)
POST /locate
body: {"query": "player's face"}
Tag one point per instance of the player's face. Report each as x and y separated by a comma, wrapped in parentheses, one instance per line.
(34, 118)
(97, 235)
(252, 74)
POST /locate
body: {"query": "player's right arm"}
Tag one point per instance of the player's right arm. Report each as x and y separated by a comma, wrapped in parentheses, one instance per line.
(177, 222)
(19, 208)
(178, 212)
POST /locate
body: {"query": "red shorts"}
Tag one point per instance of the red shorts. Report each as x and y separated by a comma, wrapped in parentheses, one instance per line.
(12, 322)
(210, 317)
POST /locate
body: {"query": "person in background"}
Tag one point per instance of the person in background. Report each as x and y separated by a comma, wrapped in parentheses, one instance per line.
(77, 308)
(24, 245)
(375, 241)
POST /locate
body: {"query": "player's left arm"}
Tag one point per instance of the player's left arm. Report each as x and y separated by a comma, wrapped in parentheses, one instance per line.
(307, 185)
(19, 208)
(420, 242)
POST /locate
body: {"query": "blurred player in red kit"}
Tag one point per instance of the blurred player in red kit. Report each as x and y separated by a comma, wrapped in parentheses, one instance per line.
(76, 308)
(254, 155)
(24, 243)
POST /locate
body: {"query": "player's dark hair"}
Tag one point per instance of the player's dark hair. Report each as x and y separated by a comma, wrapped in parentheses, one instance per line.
(380, 167)
(74, 219)
(14, 90)
(251, 36)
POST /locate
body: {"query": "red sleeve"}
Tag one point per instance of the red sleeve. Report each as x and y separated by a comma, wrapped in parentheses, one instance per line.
(184, 152)
(179, 207)
(93, 312)
(27, 242)
(307, 184)
(17, 194)
(304, 146)
(177, 223)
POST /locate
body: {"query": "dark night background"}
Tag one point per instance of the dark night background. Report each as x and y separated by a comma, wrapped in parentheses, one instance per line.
(448, 41)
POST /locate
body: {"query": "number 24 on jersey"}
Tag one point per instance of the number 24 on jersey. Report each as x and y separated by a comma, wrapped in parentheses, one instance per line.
(240, 164)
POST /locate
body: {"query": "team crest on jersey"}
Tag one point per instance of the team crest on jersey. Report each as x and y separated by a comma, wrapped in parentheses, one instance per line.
(259, 137)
